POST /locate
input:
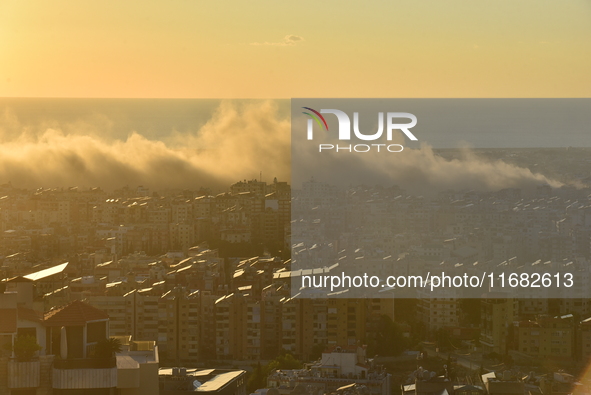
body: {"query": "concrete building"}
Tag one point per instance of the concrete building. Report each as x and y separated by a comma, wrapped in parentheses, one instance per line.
(179, 381)
(502, 383)
(497, 314)
(73, 332)
(230, 321)
(547, 338)
(440, 312)
(337, 368)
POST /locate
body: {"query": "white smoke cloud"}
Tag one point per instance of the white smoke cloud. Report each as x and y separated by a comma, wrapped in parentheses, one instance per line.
(419, 171)
(238, 142)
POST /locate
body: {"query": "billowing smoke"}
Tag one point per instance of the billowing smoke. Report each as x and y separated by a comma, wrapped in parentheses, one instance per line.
(422, 170)
(419, 171)
(239, 141)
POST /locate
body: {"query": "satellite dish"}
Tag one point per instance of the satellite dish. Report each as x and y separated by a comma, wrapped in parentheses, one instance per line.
(196, 384)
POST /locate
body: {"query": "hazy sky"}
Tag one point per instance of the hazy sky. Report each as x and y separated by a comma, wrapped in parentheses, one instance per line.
(280, 49)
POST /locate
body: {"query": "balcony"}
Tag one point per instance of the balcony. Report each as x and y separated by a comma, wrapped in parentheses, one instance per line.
(85, 373)
(23, 374)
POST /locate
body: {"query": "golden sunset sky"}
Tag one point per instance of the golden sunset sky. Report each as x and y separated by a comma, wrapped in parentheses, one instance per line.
(282, 49)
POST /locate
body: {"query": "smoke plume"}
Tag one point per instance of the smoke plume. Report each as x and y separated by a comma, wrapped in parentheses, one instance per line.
(237, 142)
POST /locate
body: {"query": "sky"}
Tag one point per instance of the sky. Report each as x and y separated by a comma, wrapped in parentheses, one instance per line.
(279, 49)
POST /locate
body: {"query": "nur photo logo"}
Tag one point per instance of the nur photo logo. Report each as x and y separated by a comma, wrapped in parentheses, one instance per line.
(392, 123)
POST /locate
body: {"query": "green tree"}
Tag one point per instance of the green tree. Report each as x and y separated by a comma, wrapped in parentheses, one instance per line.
(471, 311)
(284, 361)
(25, 347)
(418, 331)
(405, 309)
(107, 348)
(317, 350)
(388, 339)
(443, 339)
(257, 379)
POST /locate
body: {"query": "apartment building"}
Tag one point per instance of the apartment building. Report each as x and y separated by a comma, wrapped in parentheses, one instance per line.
(547, 337)
(497, 313)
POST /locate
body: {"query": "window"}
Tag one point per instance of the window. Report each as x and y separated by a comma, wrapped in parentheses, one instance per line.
(96, 331)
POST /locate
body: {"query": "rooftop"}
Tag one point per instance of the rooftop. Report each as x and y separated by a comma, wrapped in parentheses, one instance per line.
(199, 380)
(46, 272)
(219, 381)
(76, 313)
